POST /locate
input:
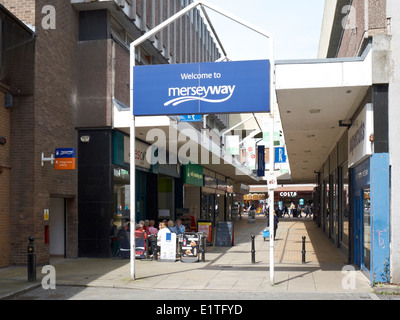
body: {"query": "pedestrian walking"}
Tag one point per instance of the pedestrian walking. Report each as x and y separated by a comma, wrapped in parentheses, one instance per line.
(291, 209)
(306, 210)
(124, 241)
(276, 222)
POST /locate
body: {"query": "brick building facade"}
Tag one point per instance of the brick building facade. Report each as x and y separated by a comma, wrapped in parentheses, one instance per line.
(72, 76)
(4, 184)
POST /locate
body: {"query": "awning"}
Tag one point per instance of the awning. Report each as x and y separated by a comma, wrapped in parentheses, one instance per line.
(313, 96)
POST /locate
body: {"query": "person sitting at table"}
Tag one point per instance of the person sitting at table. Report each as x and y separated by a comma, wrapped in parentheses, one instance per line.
(152, 228)
(172, 227)
(180, 228)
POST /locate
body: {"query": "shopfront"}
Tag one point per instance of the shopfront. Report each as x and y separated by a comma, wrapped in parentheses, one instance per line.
(332, 197)
(370, 199)
(285, 196)
(240, 190)
(222, 198)
(170, 189)
(121, 185)
(209, 207)
(192, 175)
(230, 200)
(258, 200)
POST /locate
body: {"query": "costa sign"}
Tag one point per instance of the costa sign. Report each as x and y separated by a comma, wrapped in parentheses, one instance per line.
(202, 88)
(288, 194)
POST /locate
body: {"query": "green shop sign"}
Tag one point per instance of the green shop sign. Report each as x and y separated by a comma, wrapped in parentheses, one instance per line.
(193, 174)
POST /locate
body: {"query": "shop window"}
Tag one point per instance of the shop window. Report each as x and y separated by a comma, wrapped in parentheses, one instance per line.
(334, 200)
(326, 206)
(345, 205)
(367, 228)
(121, 203)
(166, 197)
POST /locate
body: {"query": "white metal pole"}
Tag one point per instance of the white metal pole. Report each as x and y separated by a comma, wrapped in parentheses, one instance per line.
(132, 173)
(133, 47)
(271, 163)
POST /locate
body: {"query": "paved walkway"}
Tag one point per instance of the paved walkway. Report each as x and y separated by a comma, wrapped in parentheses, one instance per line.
(226, 269)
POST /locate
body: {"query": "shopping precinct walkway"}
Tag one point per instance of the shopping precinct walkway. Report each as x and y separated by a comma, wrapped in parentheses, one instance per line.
(225, 269)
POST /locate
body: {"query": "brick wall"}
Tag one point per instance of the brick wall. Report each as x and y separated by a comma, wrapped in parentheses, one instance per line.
(5, 173)
(23, 9)
(369, 20)
(55, 116)
(41, 123)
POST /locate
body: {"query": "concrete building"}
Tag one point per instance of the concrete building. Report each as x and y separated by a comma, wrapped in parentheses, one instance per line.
(75, 95)
(346, 102)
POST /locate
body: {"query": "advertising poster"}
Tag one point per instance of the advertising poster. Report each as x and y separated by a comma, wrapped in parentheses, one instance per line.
(190, 247)
(206, 229)
(168, 247)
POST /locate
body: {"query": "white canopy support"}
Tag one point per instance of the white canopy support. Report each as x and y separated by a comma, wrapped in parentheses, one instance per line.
(147, 36)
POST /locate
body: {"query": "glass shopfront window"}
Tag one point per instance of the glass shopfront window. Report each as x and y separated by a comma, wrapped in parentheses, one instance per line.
(208, 206)
(326, 206)
(345, 205)
(166, 205)
(334, 215)
(121, 203)
(367, 229)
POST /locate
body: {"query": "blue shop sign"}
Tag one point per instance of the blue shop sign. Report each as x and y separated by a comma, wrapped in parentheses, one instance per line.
(65, 153)
(280, 156)
(261, 161)
(190, 118)
(202, 88)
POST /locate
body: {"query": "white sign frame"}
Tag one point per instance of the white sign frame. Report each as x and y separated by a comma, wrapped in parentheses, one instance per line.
(359, 144)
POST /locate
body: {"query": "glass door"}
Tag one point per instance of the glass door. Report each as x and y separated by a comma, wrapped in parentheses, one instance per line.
(367, 229)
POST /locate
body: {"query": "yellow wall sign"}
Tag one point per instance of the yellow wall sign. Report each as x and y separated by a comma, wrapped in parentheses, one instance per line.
(46, 214)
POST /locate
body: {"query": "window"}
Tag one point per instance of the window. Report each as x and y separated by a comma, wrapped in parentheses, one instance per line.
(120, 33)
(345, 205)
(367, 228)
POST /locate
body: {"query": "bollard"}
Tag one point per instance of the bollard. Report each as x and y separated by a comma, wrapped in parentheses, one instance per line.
(31, 259)
(203, 248)
(253, 250)
(155, 251)
(303, 258)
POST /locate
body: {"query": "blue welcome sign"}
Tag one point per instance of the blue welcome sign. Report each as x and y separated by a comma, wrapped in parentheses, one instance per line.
(202, 88)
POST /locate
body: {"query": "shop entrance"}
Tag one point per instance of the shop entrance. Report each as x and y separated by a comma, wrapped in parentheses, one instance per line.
(209, 210)
(57, 229)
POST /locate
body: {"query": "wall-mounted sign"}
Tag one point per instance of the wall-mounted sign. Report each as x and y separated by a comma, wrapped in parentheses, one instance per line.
(288, 194)
(193, 174)
(210, 182)
(232, 145)
(65, 159)
(280, 155)
(197, 88)
(190, 118)
(261, 161)
(221, 185)
(251, 154)
(46, 215)
(141, 149)
(359, 145)
(272, 182)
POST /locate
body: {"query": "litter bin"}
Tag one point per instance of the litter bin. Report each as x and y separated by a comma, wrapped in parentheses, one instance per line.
(266, 233)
